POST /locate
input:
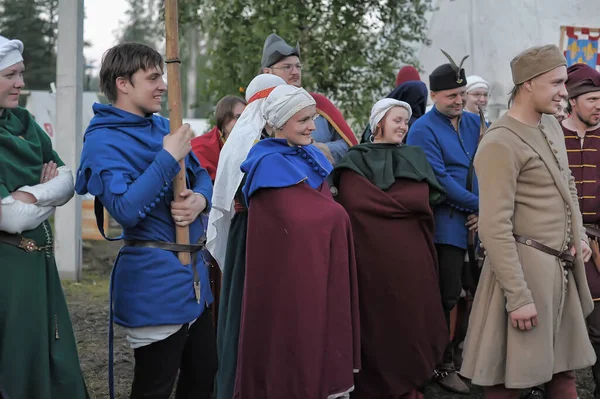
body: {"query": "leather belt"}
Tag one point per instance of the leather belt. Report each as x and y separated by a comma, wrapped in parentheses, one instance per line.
(168, 246)
(592, 230)
(171, 246)
(26, 244)
(567, 257)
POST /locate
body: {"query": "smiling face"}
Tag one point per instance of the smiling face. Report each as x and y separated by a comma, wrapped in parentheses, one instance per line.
(142, 93)
(450, 102)
(477, 99)
(548, 90)
(11, 84)
(562, 113)
(298, 130)
(393, 126)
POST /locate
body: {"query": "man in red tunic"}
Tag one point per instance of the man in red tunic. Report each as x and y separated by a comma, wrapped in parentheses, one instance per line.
(582, 138)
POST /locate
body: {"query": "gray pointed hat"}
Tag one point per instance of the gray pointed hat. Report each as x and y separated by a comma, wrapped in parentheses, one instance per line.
(275, 49)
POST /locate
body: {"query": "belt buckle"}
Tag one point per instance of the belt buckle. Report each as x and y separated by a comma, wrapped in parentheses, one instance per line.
(28, 245)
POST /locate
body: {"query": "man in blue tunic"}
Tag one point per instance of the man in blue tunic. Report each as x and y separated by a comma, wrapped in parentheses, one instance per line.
(449, 138)
(128, 162)
(332, 135)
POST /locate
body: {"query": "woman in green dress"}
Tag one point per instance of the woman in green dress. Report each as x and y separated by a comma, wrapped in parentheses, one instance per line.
(38, 352)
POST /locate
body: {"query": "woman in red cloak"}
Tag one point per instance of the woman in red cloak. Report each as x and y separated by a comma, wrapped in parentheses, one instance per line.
(299, 330)
(388, 190)
(207, 147)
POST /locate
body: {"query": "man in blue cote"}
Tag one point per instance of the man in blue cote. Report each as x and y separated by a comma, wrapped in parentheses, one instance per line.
(449, 138)
(128, 162)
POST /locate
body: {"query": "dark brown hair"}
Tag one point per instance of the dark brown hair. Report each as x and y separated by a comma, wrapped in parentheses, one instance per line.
(224, 110)
(122, 61)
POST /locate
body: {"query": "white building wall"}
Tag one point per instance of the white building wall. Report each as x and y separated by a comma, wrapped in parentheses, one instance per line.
(492, 32)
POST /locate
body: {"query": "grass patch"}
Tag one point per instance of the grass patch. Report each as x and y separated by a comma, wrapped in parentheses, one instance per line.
(93, 285)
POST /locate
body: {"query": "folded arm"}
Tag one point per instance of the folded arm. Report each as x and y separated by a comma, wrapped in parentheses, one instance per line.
(18, 216)
(55, 192)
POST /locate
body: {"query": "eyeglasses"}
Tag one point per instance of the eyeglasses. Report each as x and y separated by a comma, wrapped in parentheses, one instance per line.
(478, 95)
(289, 67)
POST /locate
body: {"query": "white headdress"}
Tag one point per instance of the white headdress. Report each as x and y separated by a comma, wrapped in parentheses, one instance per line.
(285, 102)
(11, 52)
(244, 134)
(475, 82)
(381, 108)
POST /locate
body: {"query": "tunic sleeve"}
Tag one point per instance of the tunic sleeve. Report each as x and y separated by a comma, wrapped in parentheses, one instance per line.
(498, 171)
(457, 195)
(55, 192)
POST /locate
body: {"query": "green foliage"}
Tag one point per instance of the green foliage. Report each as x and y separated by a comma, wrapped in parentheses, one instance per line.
(350, 50)
(143, 22)
(34, 22)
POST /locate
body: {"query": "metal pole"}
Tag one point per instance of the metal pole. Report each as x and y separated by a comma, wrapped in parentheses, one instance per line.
(69, 93)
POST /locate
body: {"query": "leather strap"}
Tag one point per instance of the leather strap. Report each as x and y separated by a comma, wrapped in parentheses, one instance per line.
(17, 240)
(592, 231)
(168, 246)
(541, 247)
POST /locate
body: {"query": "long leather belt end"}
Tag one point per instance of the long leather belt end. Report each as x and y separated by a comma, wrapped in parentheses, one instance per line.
(567, 257)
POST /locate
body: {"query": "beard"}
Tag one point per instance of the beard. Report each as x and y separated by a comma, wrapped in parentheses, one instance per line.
(587, 121)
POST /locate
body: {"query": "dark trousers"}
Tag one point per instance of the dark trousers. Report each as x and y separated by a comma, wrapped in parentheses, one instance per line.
(593, 323)
(451, 262)
(191, 351)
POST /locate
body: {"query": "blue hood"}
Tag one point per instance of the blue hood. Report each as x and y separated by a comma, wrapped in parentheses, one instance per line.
(108, 116)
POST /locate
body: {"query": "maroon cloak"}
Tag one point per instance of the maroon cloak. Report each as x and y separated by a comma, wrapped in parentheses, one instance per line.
(403, 330)
(299, 332)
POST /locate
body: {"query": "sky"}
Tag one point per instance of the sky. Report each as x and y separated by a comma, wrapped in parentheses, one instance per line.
(103, 19)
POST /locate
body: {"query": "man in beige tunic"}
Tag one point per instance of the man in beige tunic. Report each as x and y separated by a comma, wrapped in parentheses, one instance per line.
(527, 325)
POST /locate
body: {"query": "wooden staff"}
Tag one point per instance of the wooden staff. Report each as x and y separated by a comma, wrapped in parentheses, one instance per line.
(182, 234)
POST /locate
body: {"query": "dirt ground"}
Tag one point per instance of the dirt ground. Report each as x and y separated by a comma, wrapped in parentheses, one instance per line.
(88, 303)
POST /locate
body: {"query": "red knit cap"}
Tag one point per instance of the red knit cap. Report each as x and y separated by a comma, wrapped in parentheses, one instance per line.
(407, 74)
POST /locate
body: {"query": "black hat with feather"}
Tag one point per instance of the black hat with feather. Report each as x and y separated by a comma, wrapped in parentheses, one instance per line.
(448, 76)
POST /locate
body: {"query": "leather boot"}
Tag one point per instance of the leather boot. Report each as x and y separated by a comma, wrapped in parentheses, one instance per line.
(596, 371)
(535, 393)
(446, 374)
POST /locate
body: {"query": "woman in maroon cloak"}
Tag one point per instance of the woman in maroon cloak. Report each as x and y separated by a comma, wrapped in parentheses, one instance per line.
(388, 190)
(299, 329)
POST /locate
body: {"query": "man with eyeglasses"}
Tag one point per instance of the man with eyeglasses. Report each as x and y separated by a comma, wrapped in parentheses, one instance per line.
(478, 91)
(332, 135)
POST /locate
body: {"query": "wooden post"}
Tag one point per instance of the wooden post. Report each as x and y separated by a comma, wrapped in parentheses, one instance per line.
(563, 32)
(69, 135)
(175, 111)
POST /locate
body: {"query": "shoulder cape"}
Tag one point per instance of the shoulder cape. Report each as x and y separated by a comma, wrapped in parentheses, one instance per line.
(382, 164)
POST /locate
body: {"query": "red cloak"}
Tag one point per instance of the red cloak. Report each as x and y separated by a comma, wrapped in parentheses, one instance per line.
(299, 334)
(208, 148)
(333, 115)
(403, 329)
